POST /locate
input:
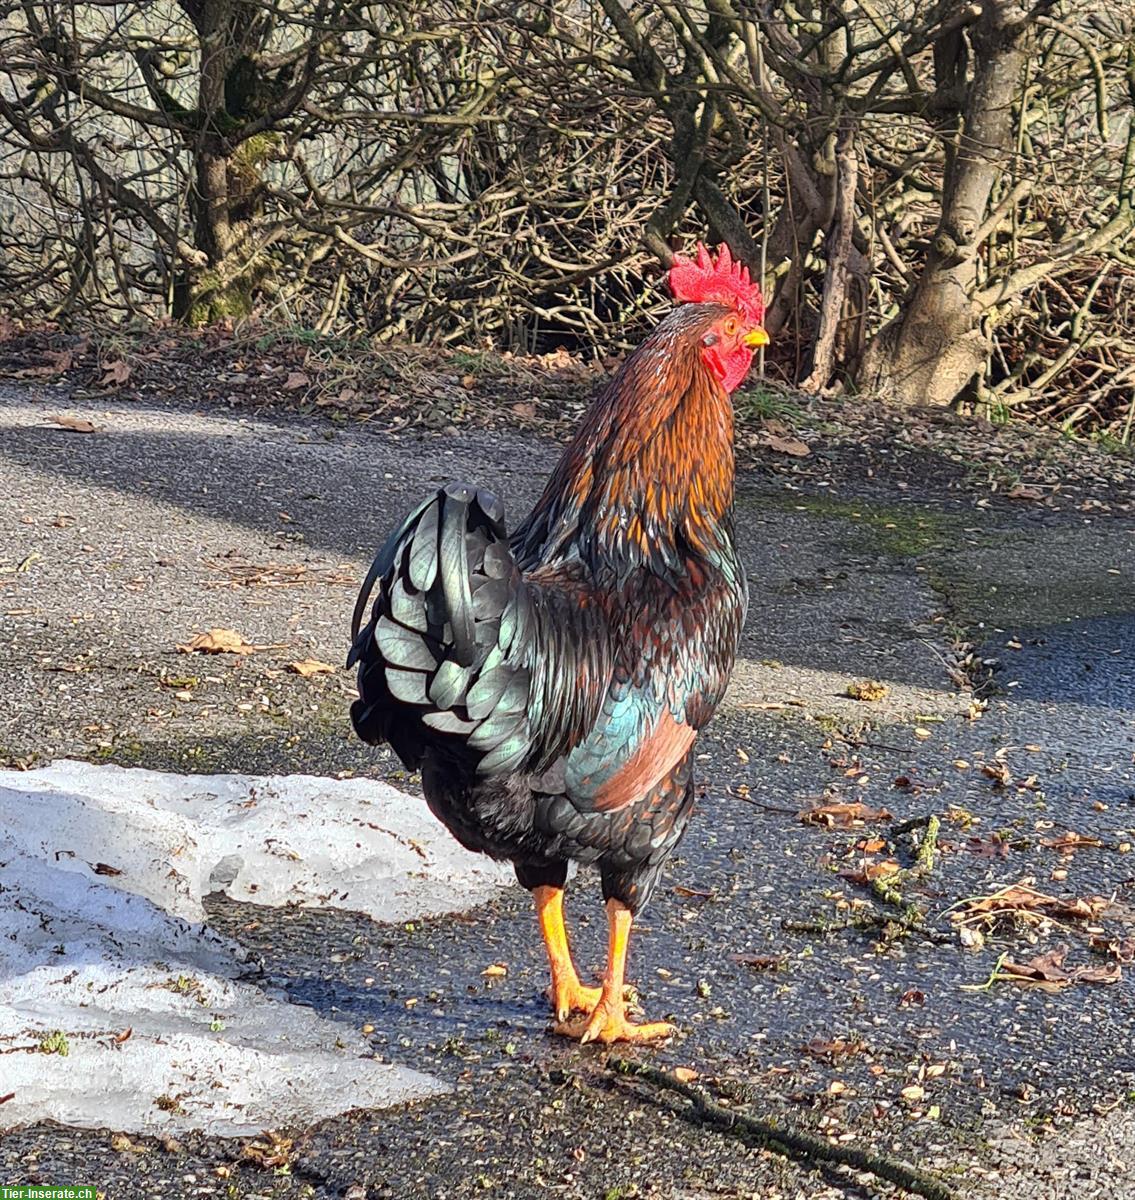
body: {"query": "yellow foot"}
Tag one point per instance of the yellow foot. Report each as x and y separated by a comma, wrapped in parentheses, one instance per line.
(568, 997)
(610, 1024)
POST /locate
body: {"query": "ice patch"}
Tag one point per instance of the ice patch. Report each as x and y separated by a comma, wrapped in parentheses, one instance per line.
(102, 875)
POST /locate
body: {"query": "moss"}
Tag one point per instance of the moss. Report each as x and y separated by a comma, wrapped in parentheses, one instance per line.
(900, 531)
(55, 1043)
(214, 301)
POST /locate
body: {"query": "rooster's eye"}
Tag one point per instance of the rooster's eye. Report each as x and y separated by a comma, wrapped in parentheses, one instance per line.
(730, 327)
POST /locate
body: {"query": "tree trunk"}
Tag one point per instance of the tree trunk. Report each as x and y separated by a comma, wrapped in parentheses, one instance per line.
(935, 347)
(838, 250)
(227, 170)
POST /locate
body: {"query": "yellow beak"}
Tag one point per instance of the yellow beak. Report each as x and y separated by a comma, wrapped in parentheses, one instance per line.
(755, 338)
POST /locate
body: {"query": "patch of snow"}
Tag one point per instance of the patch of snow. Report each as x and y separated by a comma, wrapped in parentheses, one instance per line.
(102, 875)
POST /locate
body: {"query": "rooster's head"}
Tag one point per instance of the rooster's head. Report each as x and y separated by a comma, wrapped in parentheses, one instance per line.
(729, 342)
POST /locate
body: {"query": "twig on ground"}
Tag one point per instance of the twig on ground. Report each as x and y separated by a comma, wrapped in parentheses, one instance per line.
(791, 1143)
(869, 919)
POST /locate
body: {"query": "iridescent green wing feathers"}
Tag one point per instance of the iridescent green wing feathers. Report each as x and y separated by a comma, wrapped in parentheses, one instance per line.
(462, 653)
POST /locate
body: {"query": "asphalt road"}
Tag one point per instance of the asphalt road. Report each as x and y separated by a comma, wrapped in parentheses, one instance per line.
(120, 544)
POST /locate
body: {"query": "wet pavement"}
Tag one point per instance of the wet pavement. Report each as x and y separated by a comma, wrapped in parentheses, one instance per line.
(851, 1027)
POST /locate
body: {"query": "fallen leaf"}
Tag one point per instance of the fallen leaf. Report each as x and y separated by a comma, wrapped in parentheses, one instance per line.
(784, 445)
(1068, 843)
(991, 847)
(296, 380)
(526, 410)
(495, 970)
(836, 1048)
(308, 667)
(999, 772)
(911, 996)
(1048, 972)
(102, 868)
(1022, 491)
(1022, 901)
(117, 373)
(868, 690)
(9, 1096)
(684, 1074)
(758, 962)
(124, 1036)
(269, 1151)
(75, 424)
(1121, 949)
(868, 871)
(912, 1093)
(218, 641)
(58, 362)
(842, 814)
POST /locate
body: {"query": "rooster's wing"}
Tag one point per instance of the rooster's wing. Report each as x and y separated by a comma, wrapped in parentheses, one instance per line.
(463, 653)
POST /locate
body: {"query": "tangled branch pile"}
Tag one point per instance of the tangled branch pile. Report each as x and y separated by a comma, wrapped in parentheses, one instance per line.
(940, 198)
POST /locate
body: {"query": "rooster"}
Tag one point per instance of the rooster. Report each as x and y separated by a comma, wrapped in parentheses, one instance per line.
(550, 683)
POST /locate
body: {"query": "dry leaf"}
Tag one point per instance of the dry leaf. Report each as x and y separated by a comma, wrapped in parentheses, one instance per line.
(495, 970)
(117, 373)
(999, 772)
(684, 1074)
(1068, 843)
(758, 962)
(993, 846)
(59, 361)
(1022, 901)
(269, 1151)
(102, 868)
(296, 380)
(1048, 972)
(526, 410)
(74, 424)
(1022, 491)
(868, 690)
(784, 445)
(310, 666)
(836, 1048)
(124, 1036)
(871, 870)
(842, 814)
(1121, 949)
(9, 1096)
(218, 641)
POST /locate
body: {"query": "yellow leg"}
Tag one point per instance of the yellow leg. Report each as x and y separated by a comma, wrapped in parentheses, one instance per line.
(608, 1021)
(567, 994)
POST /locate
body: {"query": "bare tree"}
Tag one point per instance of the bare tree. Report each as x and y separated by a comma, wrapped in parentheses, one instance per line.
(939, 197)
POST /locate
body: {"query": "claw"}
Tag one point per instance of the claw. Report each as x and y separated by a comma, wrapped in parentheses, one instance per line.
(572, 996)
(608, 1023)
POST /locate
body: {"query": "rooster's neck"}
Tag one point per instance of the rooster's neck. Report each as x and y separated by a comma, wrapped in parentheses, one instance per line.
(648, 478)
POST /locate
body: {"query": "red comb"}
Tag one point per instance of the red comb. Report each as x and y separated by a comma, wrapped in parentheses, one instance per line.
(707, 280)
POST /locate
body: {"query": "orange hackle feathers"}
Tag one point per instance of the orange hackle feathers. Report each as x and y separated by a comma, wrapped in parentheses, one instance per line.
(720, 280)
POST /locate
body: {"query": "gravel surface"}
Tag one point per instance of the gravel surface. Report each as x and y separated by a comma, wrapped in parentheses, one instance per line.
(121, 544)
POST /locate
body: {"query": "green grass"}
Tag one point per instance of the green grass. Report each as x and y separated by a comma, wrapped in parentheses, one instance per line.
(479, 363)
(762, 403)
